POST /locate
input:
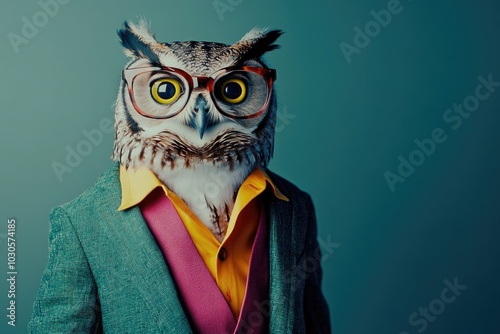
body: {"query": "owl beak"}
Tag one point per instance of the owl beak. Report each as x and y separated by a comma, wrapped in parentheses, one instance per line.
(201, 119)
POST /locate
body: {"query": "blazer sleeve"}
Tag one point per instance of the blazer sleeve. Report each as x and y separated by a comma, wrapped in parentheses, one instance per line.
(67, 297)
(316, 313)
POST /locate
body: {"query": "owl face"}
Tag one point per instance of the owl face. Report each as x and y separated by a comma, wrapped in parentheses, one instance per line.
(183, 104)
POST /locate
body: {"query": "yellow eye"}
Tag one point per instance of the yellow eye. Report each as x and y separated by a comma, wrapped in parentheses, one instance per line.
(233, 90)
(166, 91)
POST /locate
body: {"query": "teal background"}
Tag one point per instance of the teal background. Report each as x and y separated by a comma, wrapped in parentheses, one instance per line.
(347, 125)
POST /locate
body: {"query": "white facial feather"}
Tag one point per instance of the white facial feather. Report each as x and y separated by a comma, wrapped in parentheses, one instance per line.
(205, 183)
(255, 33)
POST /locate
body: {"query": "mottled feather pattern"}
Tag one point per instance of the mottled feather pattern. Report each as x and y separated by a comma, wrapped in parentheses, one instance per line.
(227, 149)
(205, 174)
(171, 158)
(201, 57)
(257, 42)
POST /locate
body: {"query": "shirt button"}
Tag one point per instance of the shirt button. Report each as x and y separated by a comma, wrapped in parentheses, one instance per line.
(222, 254)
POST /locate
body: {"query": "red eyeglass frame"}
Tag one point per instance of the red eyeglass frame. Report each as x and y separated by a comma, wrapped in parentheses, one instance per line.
(268, 74)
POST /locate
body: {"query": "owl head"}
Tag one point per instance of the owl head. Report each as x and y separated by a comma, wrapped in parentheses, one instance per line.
(190, 104)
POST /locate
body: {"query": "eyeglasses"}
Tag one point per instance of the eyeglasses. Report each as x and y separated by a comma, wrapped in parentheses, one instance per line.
(240, 92)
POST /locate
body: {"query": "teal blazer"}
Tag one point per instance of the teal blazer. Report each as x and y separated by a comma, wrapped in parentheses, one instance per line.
(105, 272)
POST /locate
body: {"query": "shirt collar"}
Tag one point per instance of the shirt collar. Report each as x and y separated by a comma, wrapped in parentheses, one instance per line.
(136, 184)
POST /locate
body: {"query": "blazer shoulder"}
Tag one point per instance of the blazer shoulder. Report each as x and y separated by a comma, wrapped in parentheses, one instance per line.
(105, 192)
(288, 188)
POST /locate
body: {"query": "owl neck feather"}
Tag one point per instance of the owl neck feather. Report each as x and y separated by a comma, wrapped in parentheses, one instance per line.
(207, 179)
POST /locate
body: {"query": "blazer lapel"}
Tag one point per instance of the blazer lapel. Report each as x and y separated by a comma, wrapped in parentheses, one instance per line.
(146, 269)
(282, 260)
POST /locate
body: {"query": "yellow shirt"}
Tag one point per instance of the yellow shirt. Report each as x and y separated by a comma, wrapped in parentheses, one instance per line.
(228, 261)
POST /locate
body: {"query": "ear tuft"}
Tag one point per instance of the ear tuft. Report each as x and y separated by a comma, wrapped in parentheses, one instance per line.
(257, 42)
(138, 40)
